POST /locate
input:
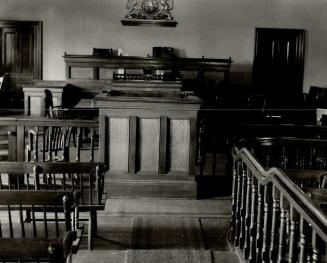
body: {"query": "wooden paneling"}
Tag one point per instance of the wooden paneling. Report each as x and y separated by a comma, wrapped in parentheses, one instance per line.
(81, 73)
(149, 133)
(118, 141)
(36, 106)
(106, 73)
(179, 145)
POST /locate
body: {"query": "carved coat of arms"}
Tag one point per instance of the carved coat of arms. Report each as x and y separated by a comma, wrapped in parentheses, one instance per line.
(150, 9)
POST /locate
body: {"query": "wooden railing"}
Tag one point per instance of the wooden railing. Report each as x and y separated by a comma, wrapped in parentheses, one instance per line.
(51, 139)
(273, 220)
(289, 152)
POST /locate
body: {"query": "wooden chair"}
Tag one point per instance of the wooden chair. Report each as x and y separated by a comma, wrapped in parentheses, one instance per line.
(42, 238)
(87, 178)
(53, 143)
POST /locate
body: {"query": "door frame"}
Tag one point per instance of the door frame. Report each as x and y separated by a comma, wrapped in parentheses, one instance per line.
(37, 53)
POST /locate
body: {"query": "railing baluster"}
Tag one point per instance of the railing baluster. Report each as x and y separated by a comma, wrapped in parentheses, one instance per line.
(36, 147)
(282, 230)
(253, 223)
(266, 222)
(293, 235)
(92, 142)
(21, 220)
(247, 215)
(274, 221)
(234, 197)
(78, 146)
(303, 241)
(315, 247)
(238, 205)
(11, 231)
(259, 231)
(243, 204)
(33, 221)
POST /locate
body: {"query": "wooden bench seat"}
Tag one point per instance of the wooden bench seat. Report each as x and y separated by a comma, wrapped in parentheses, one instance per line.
(87, 178)
(43, 238)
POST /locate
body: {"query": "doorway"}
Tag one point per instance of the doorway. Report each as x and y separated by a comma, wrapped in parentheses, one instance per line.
(278, 65)
(21, 57)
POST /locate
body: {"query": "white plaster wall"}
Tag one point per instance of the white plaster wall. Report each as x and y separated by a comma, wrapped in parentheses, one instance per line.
(210, 28)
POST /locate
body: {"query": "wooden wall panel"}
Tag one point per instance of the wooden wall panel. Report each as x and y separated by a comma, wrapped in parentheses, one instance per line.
(179, 145)
(106, 73)
(149, 132)
(36, 106)
(81, 73)
(118, 141)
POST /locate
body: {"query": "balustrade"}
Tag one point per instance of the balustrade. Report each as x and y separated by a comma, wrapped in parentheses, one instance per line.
(272, 219)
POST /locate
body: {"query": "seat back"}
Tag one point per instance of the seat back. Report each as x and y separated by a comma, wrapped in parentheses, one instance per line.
(46, 234)
(87, 178)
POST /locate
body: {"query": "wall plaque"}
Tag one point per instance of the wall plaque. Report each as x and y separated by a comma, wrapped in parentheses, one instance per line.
(149, 12)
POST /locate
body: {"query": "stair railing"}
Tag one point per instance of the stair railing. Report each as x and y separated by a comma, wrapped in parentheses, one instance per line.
(273, 220)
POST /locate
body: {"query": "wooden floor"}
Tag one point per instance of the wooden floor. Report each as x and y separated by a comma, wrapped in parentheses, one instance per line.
(161, 230)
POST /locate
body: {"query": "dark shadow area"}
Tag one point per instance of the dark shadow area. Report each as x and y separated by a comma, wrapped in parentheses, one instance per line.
(213, 186)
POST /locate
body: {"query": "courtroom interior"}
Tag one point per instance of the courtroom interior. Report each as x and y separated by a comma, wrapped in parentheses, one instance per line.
(163, 131)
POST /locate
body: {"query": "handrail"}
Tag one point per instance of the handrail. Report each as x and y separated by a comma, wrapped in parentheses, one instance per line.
(280, 140)
(289, 189)
(48, 122)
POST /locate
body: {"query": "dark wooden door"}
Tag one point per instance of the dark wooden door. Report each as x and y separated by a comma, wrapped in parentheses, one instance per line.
(21, 54)
(279, 64)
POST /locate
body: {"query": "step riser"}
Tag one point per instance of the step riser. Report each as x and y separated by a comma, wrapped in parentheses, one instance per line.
(152, 189)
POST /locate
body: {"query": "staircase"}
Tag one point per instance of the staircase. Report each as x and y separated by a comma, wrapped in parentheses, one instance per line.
(146, 230)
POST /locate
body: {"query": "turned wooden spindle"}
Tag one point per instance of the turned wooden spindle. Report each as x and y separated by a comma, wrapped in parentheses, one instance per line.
(274, 227)
(293, 240)
(303, 240)
(316, 257)
(243, 204)
(284, 158)
(36, 145)
(247, 214)
(234, 197)
(50, 138)
(238, 205)
(313, 157)
(253, 223)
(284, 205)
(259, 230)
(92, 145)
(78, 145)
(266, 222)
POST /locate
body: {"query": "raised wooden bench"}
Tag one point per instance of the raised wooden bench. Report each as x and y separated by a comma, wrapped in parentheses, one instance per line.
(42, 238)
(87, 178)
